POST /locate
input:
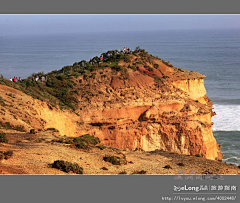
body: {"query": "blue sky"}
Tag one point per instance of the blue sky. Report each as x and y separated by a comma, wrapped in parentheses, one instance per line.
(52, 24)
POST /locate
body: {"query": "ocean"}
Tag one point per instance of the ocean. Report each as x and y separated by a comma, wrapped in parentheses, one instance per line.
(214, 53)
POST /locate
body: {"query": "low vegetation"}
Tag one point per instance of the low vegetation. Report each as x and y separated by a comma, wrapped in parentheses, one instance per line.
(180, 164)
(67, 166)
(123, 173)
(82, 142)
(3, 138)
(60, 89)
(7, 126)
(101, 147)
(115, 160)
(85, 141)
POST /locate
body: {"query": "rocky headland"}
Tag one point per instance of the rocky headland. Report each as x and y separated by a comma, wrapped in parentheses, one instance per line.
(140, 108)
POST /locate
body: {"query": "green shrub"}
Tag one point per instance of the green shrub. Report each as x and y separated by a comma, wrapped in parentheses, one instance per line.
(85, 141)
(75, 64)
(150, 69)
(6, 125)
(123, 172)
(87, 138)
(67, 166)
(117, 68)
(82, 145)
(3, 138)
(126, 58)
(198, 155)
(155, 65)
(101, 147)
(180, 164)
(115, 160)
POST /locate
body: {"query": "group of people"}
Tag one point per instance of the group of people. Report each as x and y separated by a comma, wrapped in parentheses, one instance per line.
(126, 50)
(34, 78)
(104, 57)
(37, 78)
(96, 60)
(14, 79)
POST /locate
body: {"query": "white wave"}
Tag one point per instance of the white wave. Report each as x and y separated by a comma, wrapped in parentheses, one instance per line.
(227, 118)
(234, 157)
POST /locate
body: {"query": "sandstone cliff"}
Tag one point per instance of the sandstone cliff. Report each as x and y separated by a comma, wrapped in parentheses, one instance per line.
(139, 103)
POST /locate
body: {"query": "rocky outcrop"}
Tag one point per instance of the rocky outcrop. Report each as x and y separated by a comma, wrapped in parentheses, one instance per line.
(167, 110)
(143, 104)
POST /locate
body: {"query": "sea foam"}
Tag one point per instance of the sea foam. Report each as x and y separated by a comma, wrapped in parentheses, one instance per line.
(227, 118)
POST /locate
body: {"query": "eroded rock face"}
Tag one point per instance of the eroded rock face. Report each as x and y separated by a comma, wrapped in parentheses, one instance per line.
(145, 105)
(168, 110)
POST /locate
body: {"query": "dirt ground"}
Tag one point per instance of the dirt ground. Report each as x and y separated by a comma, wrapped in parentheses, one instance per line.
(34, 154)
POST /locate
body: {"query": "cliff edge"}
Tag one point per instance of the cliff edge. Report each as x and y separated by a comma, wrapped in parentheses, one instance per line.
(130, 101)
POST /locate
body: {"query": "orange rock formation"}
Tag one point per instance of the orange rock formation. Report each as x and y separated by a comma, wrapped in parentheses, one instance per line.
(145, 104)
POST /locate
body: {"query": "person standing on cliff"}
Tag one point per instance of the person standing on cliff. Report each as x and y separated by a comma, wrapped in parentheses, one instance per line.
(43, 79)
